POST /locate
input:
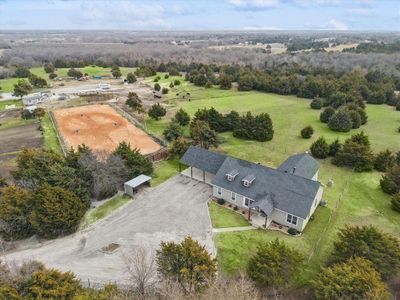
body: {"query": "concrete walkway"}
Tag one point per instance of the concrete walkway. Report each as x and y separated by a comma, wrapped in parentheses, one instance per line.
(229, 229)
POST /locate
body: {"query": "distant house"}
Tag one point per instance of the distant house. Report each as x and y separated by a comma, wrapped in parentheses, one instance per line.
(36, 98)
(288, 195)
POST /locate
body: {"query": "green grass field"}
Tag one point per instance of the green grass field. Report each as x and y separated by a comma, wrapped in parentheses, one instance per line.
(222, 217)
(50, 135)
(4, 103)
(104, 210)
(355, 198)
(164, 170)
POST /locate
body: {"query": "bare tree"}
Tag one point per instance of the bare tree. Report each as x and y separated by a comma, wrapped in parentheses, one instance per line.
(141, 267)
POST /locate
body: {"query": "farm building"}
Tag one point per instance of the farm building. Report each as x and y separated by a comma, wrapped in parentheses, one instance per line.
(132, 185)
(288, 195)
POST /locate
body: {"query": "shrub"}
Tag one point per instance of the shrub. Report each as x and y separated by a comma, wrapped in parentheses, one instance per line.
(171, 85)
(173, 131)
(164, 90)
(157, 86)
(326, 114)
(334, 147)
(235, 208)
(157, 111)
(274, 264)
(340, 121)
(225, 82)
(316, 104)
(179, 147)
(166, 76)
(53, 75)
(177, 82)
(384, 160)
(382, 249)
(396, 202)
(320, 148)
(221, 201)
(352, 279)
(182, 117)
(292, 231)
(307, 132)
(398, 106)
(131, 78)
(257, 128)
(390, 182)
(355, 119)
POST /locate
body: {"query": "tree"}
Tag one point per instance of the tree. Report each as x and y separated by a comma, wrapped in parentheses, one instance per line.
(307, 132)
(316, 104)
(171, 85)
(352, 279)
(136, 162)
(326, 114)
(182, 117)
(398, 106)
(157, 111)
(74, 73)
(157, 87)
(39, 113)
(340, 121)
(396, 202)
(37, 81)
(53, 284)
(187, 263)
(390, 182)
(22, 72)
(55, 211)
(382, 249)
(134, 102)
(225, 82)
(116, 72)
(15, 208)
(130, 77)
(384, 160)
(203, 135)
(22, 88)
(274, 264)
(173, 131)
(179, 147)
(257, 128)
(320, 148)
(49, 68)
(3, 182)
(334, 147)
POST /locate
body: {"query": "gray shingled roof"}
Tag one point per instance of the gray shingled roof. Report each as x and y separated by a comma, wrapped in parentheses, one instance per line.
(287, 192)
(306, 166)
(203, 159)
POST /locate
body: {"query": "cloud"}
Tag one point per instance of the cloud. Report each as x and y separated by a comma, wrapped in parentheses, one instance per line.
(254, 4)
(334, 25)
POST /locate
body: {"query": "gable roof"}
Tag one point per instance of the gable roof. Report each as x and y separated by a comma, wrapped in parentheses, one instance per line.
(203, 159)
(303, 165)
(287, 192)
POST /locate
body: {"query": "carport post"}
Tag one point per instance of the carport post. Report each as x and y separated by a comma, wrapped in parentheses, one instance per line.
(204, 176)
(191, 172)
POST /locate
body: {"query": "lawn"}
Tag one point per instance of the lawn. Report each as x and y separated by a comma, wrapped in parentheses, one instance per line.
(164, 170)
(354, 198)
(222, 217)
(104, 210)
(50, 135)
(4, 103)
(16, 122)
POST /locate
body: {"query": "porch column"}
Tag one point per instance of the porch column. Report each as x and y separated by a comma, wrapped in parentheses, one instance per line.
(266, 217)
(191, 172)
(248, 217)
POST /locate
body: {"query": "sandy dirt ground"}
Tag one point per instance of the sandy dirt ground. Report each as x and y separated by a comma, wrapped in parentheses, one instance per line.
(100, 127)
(168, 212)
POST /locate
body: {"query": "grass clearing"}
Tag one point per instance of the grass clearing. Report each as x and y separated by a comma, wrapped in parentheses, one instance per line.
(362, 201)
(104, 210)
(4, 103)
(50, 135)
(11, 123)
(222, 217)
(164, 170)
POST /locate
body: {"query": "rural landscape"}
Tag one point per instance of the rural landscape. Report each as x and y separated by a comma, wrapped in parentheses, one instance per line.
(199, 164)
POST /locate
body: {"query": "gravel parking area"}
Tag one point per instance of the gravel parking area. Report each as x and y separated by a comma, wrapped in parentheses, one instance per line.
(168, 212)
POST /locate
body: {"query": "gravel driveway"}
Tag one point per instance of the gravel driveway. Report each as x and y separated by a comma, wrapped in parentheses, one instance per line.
(168, 212)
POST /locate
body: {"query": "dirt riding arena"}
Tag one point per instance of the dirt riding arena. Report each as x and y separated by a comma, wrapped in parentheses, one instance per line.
(101, 128)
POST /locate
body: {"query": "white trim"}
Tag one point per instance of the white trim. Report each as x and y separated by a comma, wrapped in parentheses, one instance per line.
(292, 216)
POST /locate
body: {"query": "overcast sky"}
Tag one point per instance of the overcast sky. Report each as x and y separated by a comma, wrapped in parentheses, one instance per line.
(201, 14)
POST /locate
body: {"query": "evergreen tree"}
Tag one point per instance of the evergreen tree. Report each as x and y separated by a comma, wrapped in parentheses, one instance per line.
(326, 114)
(131, 78)
(320, 148)
(340, 121)
(157, 111)
(384, 160)
(173, 131)
(396, 202)
(307, 132)
(390, 182)
(136, 162)
(203, 135)
(182, 117)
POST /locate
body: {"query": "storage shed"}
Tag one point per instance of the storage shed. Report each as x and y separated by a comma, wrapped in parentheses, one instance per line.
(131, 185)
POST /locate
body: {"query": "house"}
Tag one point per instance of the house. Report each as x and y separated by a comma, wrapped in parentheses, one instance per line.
(287, 195)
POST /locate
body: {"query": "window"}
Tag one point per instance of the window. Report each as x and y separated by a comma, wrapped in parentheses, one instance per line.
(219, 191)
(233, 196)
(291, 219)
(246, 183)
(247, 202)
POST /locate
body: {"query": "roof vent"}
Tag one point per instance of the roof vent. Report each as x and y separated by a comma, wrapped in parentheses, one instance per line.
(232, 175)
(248, 180)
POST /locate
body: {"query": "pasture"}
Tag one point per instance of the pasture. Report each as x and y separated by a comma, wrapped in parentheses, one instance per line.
(100, 128)
(355, 198)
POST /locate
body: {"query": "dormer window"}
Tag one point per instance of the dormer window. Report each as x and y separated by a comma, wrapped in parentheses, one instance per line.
(248, 180)
(232, 175)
